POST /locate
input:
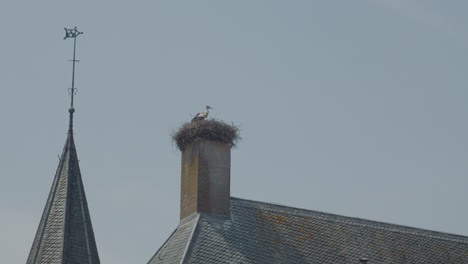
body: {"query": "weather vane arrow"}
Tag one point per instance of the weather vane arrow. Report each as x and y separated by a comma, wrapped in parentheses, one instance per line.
(72, 33)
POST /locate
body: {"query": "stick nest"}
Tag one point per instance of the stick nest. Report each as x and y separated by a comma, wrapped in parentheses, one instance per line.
(214, 130)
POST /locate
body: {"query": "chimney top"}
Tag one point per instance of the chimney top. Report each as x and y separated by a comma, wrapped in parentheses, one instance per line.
(212, 130)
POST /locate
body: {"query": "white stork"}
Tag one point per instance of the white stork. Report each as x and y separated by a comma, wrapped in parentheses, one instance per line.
(202, 115)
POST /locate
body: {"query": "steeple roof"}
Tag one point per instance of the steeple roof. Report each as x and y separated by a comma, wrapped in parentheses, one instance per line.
(65, 233)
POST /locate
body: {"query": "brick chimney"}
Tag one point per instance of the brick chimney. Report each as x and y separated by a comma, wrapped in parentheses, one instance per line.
(205, 184)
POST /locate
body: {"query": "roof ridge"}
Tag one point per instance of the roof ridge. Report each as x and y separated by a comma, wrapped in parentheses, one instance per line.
(163, 245)
(362, 222)
(66, 211)
(189, 242)
(193, 220)
(84, 209)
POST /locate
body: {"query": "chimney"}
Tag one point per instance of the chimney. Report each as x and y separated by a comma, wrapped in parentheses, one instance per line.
(206, 177)
(206, 167)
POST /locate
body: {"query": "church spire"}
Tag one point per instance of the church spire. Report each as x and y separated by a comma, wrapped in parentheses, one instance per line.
(65, 234)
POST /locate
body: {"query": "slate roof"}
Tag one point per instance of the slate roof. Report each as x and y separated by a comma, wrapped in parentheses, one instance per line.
(265, 233)
(65, 234)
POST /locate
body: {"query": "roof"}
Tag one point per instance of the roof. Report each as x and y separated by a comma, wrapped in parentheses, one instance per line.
(65, 234)
(259, 232)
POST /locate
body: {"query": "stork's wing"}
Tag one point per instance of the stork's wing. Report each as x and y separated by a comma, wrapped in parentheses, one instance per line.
(196, 117)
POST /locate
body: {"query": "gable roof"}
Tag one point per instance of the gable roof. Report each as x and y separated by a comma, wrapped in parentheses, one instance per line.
(65, 234)
(265, 233)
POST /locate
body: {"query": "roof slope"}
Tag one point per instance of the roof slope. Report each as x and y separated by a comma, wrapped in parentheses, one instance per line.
(266, 233)
(65, 234)
(174, 249)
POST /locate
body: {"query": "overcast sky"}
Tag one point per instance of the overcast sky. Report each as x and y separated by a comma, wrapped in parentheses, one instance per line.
(350, 107)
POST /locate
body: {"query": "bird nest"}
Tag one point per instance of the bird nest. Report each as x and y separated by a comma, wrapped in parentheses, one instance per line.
(214, 130)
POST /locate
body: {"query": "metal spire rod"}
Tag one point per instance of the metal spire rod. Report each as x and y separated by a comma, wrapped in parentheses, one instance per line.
(72, 33)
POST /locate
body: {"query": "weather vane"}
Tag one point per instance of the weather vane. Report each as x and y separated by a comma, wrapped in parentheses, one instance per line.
(72, 33)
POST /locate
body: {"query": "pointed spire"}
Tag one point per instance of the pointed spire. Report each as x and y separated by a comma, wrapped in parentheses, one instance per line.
(65, 234)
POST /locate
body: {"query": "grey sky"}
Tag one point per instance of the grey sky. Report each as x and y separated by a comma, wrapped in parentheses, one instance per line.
(349, 107)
